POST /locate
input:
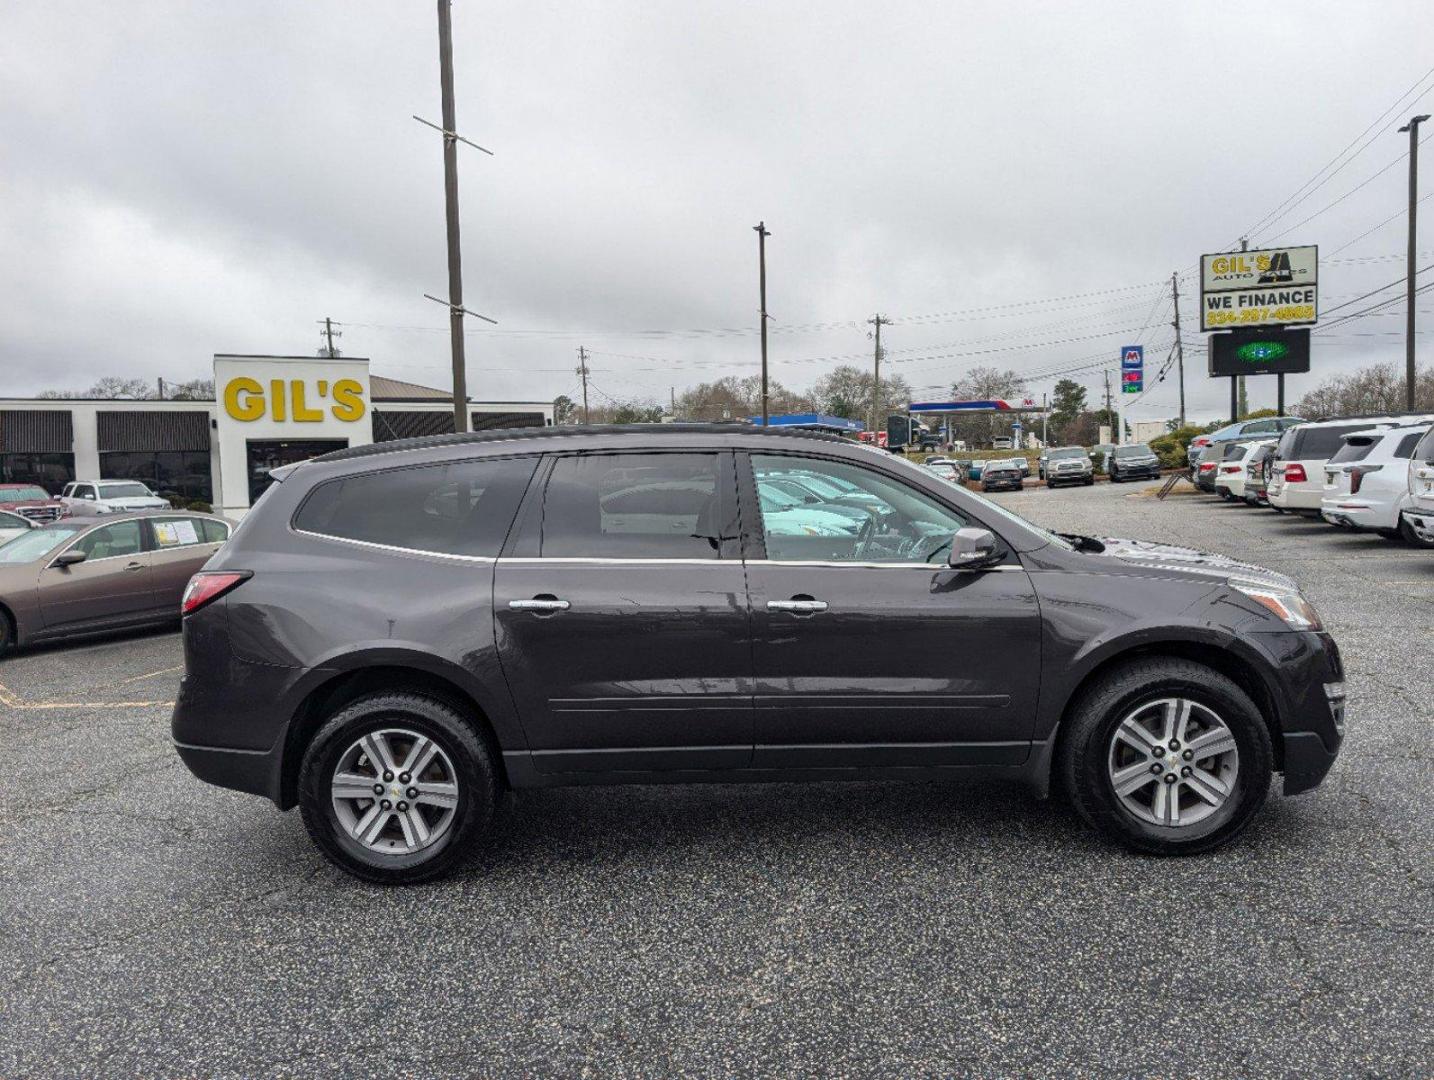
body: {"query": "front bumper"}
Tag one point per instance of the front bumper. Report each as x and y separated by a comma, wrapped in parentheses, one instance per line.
(1311, 675)
(1422, 522)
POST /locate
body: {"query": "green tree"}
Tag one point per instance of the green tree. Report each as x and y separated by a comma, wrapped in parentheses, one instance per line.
(1067, 402)
(565, 410)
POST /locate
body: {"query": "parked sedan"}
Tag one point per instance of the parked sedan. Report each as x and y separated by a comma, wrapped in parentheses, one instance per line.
(85, 575)
(947, 470)
(1001, 473)
(1132, 462)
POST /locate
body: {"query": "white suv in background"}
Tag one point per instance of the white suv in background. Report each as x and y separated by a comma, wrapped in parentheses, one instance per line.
(1366, 482)
(1297, 477)
(1230, 473)
(109, 497)
(1416, 524)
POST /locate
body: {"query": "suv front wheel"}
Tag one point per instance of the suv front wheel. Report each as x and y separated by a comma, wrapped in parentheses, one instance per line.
(396, 788)
(1167, 756)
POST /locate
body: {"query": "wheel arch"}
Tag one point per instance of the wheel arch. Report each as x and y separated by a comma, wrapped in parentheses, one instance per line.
(392, 675)
(1221, 658)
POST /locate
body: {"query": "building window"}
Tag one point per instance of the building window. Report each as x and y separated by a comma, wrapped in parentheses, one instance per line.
(51, 471)
(166, 472)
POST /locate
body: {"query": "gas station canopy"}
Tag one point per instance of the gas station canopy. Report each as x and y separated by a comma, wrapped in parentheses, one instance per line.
(991, 405)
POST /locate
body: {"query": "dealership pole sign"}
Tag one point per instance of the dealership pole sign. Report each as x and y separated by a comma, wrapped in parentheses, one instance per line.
(1132, 369)
(1270, 287)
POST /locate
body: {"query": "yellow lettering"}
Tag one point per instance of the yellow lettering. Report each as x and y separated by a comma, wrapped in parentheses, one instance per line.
(1262, 263)
(302, 413)
(1220, 265)
(278, 406)
(348, 400)
(244, 399)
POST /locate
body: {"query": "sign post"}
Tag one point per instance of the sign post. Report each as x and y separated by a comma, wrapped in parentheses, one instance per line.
(1132, 381)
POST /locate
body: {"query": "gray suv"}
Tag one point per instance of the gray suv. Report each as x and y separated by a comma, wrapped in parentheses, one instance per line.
(398, 634)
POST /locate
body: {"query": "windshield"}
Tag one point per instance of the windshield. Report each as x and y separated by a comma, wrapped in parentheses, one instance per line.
(23, 494)
(1068, 451)
(125, 491)
(1138, 450)
(36, 544)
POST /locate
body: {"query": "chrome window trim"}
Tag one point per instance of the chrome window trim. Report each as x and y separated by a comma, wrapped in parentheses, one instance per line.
(595, 560)
(374, 546)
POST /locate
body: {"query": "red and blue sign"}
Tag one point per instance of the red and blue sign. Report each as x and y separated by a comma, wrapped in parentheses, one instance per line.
(1132, 369)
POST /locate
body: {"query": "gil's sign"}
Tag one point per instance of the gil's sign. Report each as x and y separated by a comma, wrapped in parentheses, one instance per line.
(1271, 287)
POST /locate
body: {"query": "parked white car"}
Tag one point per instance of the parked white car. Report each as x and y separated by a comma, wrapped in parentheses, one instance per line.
(1366, 482)
(13, 525)
(1297, 480)
(1416, 523)
(1230, 475)
(109, 497)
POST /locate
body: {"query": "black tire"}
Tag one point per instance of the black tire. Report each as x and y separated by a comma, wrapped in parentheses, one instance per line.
(474, 764)
(1089, 480)
(7, 632)
(1406, 533)
(1091, 726)
(1276, 509)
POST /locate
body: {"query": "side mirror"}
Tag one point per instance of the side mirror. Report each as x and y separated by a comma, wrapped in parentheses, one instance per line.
(69, 558)
(971, 549)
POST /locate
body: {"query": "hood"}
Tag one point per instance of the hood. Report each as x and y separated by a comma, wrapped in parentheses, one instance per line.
(22, 504)
(1188, 560)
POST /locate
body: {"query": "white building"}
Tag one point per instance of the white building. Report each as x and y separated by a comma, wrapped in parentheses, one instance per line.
(270, 410)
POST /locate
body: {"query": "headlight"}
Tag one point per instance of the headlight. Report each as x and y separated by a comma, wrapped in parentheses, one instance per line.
(1293, 608)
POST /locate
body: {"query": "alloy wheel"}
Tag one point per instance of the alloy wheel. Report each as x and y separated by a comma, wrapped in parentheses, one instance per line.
(395, 791)
(1173, 762)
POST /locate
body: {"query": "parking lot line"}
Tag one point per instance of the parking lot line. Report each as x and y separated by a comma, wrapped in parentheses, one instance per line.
(152, 674)
(12, 700)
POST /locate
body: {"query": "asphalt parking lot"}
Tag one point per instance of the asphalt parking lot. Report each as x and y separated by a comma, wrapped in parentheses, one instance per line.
(155, 926)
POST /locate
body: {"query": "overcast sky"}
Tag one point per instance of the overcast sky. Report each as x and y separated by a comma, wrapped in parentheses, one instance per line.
(188, 178)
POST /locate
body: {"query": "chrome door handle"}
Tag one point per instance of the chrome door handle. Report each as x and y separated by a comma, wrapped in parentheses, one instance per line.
(801, 607)
(539, 605)
(134, 566)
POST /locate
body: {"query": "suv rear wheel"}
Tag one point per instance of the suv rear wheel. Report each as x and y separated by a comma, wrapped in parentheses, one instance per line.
(396, 788)
(1167, 756)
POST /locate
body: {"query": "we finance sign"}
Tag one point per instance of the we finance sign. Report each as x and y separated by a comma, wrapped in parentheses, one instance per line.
(1272, 287)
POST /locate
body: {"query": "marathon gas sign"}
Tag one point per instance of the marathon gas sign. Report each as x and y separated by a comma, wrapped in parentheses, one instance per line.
(1272, 287)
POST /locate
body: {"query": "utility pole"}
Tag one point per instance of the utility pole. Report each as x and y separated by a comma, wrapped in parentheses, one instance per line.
(672, 397)
(1045, 420)
(761, 230)
(329, 333)
(161, 388)
(1413, 128)
(878, 321)
(1179, 345)
(450, 205)
(583, 372)
(1106, 373)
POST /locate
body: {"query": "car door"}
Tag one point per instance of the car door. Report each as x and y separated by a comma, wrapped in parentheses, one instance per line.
(181, 545)
(868, 649)
(112, 584)
(621, 612)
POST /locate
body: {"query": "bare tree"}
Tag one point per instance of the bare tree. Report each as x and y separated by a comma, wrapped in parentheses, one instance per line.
(846, 391)
(1377, 389)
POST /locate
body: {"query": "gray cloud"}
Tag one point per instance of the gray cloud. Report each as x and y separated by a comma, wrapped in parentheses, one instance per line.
(183, 179)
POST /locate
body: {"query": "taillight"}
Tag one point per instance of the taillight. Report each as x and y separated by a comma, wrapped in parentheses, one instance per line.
(1200, 440)
(1229, 468)
(1356, 475)
(1295, 473)
(204, 588)
(1207, 466)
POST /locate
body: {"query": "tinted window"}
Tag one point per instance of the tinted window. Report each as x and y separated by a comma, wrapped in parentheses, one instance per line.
(1261, 426)
(124, 491)
(1356, 448)
(459, 508)
(176, 532)
(876, 519)
(635, 506)
(111, 541)
(1406, 446)
(1138, 450)
(1233, 451)
(1320, 442)
(1425, 450)
(84, 491)
(215, 532)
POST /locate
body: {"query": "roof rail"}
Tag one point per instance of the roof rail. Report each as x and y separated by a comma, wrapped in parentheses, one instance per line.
(426, 442)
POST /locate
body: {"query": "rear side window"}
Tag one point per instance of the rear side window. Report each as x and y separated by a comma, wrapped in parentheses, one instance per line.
(458, 508)
(1425, 450)
(1355, 449)
(1321, 442)
(176, 532)
(215, 532)
(1405, 449)
(643, 506)
(1234, 451)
